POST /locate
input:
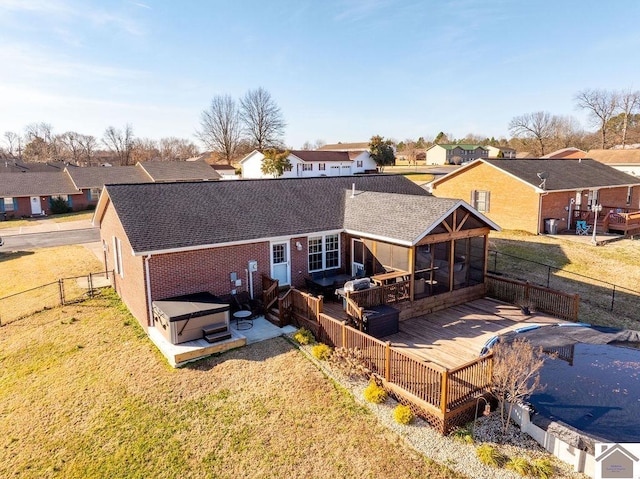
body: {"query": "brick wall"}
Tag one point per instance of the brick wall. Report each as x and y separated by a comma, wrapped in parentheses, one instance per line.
(131, 285)
(175, 274)
(513, 205)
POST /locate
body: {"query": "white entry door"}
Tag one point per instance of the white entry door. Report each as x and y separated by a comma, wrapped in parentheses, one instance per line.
(36, 207)
(280, 264)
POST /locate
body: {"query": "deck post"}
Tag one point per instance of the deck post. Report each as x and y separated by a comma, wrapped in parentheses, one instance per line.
(387, 361)
(443, 393)
(343, 334)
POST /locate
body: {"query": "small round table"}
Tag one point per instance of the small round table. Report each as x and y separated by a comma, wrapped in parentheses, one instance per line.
(243, 319)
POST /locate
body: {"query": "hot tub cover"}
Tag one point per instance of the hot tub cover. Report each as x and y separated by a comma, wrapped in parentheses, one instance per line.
(189, 306)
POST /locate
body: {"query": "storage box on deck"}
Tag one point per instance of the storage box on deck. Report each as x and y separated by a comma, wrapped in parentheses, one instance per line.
(381, 321)
(183, 318)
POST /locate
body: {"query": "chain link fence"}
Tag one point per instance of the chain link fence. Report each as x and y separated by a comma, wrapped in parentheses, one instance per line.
(58, 293)
(600, 301)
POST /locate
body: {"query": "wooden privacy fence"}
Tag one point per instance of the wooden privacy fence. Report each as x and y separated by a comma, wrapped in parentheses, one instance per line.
(57, 293)
(444, 398)
(557, 303)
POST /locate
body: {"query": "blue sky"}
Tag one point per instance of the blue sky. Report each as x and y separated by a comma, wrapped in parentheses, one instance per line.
(341, 70)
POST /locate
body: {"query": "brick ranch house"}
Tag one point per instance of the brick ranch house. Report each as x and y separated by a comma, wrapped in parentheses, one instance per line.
(173, 239)
(520, 194)
(28, 189)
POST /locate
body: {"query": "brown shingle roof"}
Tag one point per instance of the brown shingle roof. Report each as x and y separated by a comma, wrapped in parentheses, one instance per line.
(616, 157)
(322, 156)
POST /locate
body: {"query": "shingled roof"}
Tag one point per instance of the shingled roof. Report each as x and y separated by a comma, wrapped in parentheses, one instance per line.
(98, 176)
(36, 184)
(399, 217)
(181, 216)
(197, 170)
(563, 174)
(326, 156)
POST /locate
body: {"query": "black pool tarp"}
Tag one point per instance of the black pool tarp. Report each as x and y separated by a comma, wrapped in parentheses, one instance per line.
(571, 333)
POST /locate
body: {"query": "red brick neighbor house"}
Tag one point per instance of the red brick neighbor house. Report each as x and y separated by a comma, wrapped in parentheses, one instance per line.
(30, 187)
(172, 239)
(521, 194)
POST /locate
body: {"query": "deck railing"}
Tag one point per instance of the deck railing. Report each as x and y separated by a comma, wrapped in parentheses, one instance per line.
(269, 292)
(442, 396)
(556, 303)
(387, 294)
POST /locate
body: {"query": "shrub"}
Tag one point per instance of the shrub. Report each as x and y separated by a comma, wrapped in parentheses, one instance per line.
(59, 206)
(489, 455)
(303, 336)
(402, 414)
(519, 465)
(350, 361)
(374, 393)
(463, 434)
(542, 468)
(321, 352)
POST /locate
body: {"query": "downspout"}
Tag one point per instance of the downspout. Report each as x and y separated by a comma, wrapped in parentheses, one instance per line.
(148, 288)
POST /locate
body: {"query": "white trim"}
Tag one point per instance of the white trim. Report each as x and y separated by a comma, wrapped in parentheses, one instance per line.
(379, 238)
(323, 252)
(148, 288)
(236, 243)
(287, 247)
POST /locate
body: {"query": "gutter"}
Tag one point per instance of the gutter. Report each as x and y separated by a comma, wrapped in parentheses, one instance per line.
(148, 288)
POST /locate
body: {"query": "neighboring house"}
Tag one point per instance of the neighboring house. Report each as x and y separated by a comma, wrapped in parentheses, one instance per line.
(17, 166)
(81, 186)
(567, 153)
(627, 161)
(312, 163)
(450, 154)
(174, 239)
(500, 152)
(30, 194)
(520, 194)
(226, 172)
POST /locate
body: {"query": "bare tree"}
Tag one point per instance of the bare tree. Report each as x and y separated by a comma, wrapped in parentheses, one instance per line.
(73, 149)
(539, 126)
(516, 374)
(172, 148)
(41, 144)
(220, 127)
(88, 144)
(144, 149)
(601, 106)
(629, 105)
(14, 144)
(120, 142)
(262, 119)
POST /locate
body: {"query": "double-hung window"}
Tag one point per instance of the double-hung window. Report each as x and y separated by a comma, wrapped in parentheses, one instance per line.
(480, 200)
(7, 204)
(324, 252)
(307, 167)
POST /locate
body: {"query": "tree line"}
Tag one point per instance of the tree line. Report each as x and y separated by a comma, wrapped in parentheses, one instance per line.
(118, 145)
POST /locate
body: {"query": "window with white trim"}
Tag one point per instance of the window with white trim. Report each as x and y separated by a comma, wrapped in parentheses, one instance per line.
(359, 163)
(8, 204)
(117, 257)
(94, 193)
(307, 167)
(480, 200)
(321, 166)
(324, 252)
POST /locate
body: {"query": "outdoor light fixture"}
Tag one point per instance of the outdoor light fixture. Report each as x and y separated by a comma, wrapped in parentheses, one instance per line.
(298, 246)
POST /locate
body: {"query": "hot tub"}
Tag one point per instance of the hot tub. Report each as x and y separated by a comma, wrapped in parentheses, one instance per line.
(190, 317)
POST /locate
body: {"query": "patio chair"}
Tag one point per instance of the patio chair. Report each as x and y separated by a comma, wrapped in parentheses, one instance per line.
(582, 228)
(243, 302)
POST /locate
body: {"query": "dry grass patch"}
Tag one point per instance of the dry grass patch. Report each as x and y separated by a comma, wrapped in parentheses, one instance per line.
(598, 266)
(28, 269)
(83, 393)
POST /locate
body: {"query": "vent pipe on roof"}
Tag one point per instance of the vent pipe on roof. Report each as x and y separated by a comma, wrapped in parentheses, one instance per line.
(353, 190)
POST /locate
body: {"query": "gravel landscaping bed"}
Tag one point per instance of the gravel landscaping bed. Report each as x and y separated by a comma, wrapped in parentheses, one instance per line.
(455, 454)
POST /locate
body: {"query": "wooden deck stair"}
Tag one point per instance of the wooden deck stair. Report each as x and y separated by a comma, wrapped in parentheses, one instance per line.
(216, 333)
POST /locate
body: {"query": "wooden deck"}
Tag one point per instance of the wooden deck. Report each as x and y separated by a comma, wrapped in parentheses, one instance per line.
(455, 336)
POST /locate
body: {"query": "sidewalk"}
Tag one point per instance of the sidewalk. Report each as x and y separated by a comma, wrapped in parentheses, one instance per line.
(46, 225)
